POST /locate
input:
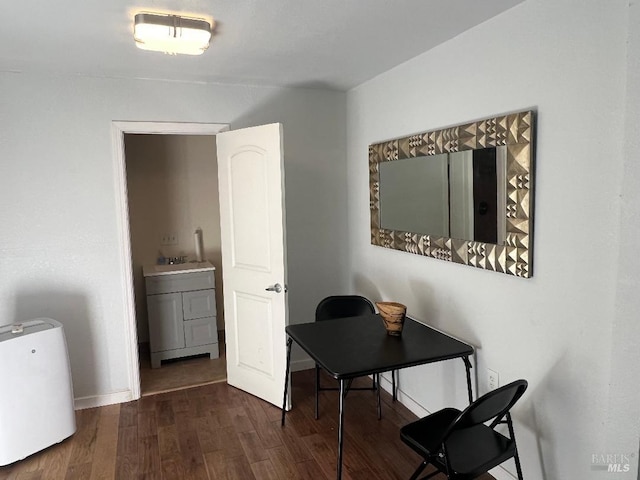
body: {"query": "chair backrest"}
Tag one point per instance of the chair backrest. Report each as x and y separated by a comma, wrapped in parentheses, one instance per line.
(493, 405)
(343, 306)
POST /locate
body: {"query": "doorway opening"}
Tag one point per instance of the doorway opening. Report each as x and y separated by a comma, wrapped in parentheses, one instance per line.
(167, 181)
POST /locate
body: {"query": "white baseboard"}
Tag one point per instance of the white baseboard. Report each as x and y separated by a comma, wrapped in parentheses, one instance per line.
(419, 411)
(500, 473)
(415, 408)
(125, 396)
(102, 400)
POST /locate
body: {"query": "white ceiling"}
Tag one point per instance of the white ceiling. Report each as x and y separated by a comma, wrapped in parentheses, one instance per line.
(315, 43)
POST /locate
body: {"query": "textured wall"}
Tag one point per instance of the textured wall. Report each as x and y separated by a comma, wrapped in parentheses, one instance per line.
(59, 240)
(566, 59)
(623, 422)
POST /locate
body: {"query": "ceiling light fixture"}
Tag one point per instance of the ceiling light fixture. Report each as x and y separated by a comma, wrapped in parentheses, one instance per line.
(171, 33)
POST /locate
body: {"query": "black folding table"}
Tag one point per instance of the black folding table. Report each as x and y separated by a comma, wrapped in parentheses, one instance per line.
(353, 347)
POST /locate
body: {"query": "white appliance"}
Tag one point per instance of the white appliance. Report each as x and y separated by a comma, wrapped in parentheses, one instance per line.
(36, 394)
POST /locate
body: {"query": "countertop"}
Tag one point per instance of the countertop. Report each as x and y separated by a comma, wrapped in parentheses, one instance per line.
(192, 267)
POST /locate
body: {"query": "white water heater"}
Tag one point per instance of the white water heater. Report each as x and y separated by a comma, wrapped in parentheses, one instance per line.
(36, 394)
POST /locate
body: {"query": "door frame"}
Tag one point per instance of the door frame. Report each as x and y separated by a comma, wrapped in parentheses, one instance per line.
(118, 129)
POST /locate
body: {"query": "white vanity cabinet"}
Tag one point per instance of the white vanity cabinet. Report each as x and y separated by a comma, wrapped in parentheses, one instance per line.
(182, 311)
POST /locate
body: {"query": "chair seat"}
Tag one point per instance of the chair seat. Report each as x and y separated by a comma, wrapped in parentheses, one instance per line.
(477, 449)
(471, 451)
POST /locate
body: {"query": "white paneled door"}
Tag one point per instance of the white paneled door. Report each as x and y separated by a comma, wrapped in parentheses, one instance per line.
(251, 182)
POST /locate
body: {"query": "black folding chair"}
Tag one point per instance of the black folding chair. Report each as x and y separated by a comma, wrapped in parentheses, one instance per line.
(343, 306)
(461, 444)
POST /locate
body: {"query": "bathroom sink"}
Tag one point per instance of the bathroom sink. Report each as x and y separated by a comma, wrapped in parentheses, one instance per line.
(153, 270)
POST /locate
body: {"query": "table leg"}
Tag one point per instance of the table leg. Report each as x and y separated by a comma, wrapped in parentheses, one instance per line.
(343, 394)
(393, 385)
(467, 365)
(286, 379)
(379, 405)
(317, 390)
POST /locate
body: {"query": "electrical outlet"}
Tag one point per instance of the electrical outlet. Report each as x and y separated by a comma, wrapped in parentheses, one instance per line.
(493, 379)
(169, 239)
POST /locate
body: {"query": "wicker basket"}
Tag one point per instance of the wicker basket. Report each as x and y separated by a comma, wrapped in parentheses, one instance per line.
(393, 315)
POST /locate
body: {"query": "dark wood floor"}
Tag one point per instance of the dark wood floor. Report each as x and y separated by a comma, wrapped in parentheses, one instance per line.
(218, 432)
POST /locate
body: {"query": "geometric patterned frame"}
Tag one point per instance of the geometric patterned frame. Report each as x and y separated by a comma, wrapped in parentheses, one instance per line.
(516, 131)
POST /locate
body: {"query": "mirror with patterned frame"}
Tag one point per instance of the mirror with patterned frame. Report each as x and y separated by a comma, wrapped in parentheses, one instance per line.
(462, 194)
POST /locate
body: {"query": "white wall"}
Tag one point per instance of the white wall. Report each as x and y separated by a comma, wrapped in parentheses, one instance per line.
(559, 329)
(59, 241)
(623, 421)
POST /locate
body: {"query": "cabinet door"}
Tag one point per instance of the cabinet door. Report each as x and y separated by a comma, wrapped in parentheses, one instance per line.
(199, 304)
(200, 332)
(166, 330)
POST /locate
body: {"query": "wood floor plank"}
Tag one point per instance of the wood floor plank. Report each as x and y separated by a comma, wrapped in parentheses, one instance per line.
(209, 435)
(304, 424)
(234, 468)
(191, 453)
(240, 420)
(168, 443)
(322, 453)
(150, 476)
(147, 424)
(55, 461)
(36, 475)
(264, 470)
(219, 432)
(172, 467)
(310, 470)
(184, 422)
(127, 441)
(78, 472)
(27, 466)
(196, 472)
(354, 460)
(271, 411)
(164, 413)
(104, 461)
(180, 402)
(283, 463)
(261, 423)
(83, 441)
(292, 442)
(219, 416)
(127, 466)
(199, 405)
(269, 435)
(129, 414)
(148, 456)
(252, 445)
(231, 446)
(146, 404)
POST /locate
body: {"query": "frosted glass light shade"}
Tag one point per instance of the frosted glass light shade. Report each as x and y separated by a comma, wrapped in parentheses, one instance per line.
(171, 34)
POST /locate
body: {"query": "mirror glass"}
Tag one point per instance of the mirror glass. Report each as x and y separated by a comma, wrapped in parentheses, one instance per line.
(461, 194)
(458, 195)
(414, 195)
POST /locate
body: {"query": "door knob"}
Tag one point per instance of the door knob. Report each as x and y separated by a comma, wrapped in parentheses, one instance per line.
(274, 288)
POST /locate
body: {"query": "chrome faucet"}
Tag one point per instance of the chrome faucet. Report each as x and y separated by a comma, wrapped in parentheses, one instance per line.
(177, 260)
